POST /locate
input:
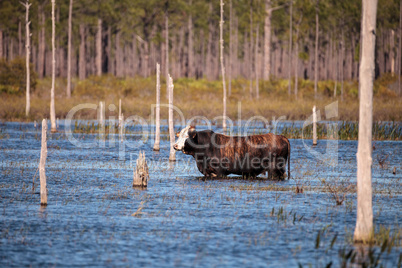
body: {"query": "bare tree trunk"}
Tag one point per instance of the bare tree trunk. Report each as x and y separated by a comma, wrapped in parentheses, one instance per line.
(5, 45)
(399, 48)
(98, 60)
(134, 58)
(357, 63)
(167, 49)
(236, 48)
(127, 59)
(158, 109)
(118, 55)
(203, 60)
(42, 164)
(267, 40)
(11, 48)
(180, 58)
(215, 58)
(364, 223)
(209, 63)
(52, 109)
(141, 172)
(222, 67)
(342, 62)
(27, 53)
(101, 124)
(109, 63)
(123, 60)
(327, 60)
(172, 154)
(19, 39)
(1, 44)
(145, 59)
(41, 40)
(350, 71)
(290, 48)
(58, 51)
(120, 122)
(336, 67)
(152, 50)
(316, 52)
(297, 59)
(81, 64)
(391, 51)
(101, 117)
(314, 126)
(310, 58)
(250, 53)
(190, 45)
(257, 64)
(70, 15)
(230, 47)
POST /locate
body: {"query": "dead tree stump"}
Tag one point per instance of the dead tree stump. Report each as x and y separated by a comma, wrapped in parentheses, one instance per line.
(314, 126)
(42, 163)
(141, 172)
(158, 109)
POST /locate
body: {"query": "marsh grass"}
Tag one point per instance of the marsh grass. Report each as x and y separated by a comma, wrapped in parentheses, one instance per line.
(371, 255)
(338, 189)
(344, 131)
(382, 160)
(361, 255)
(198, 97)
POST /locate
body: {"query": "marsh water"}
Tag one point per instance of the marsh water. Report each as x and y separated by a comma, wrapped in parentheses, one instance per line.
(95, 217)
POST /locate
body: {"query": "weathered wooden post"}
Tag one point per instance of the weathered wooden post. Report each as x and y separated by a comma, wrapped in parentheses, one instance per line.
(141, 172)
(120, 112)
(314, 126)
(42, 163)
(120, 122)
(101, 124)
(122, 128)
(158, 109)
(172, 155)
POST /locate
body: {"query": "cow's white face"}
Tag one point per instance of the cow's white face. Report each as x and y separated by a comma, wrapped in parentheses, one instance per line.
(179, 145)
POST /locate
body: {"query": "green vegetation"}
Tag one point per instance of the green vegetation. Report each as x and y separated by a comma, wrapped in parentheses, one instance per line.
(12, 76)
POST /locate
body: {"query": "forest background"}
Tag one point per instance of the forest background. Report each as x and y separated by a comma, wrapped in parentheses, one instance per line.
(275, 62)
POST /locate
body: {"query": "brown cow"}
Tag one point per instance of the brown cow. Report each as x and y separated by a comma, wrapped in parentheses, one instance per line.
(221, 155)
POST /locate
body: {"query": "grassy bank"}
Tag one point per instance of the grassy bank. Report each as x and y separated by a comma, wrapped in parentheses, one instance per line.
(344, 130)
(202, 98)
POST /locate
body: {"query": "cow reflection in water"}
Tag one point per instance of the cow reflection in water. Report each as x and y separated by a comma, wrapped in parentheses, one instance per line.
(219, 155)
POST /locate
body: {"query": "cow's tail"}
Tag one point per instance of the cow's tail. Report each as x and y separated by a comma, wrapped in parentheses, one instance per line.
(288, 158)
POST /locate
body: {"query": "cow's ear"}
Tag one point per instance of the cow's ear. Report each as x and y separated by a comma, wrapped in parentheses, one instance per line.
(192, 132)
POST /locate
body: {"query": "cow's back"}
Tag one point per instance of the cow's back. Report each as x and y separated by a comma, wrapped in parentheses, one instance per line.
(241, 150)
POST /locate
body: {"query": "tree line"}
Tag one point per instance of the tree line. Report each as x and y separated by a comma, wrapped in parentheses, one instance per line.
(301, 38)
